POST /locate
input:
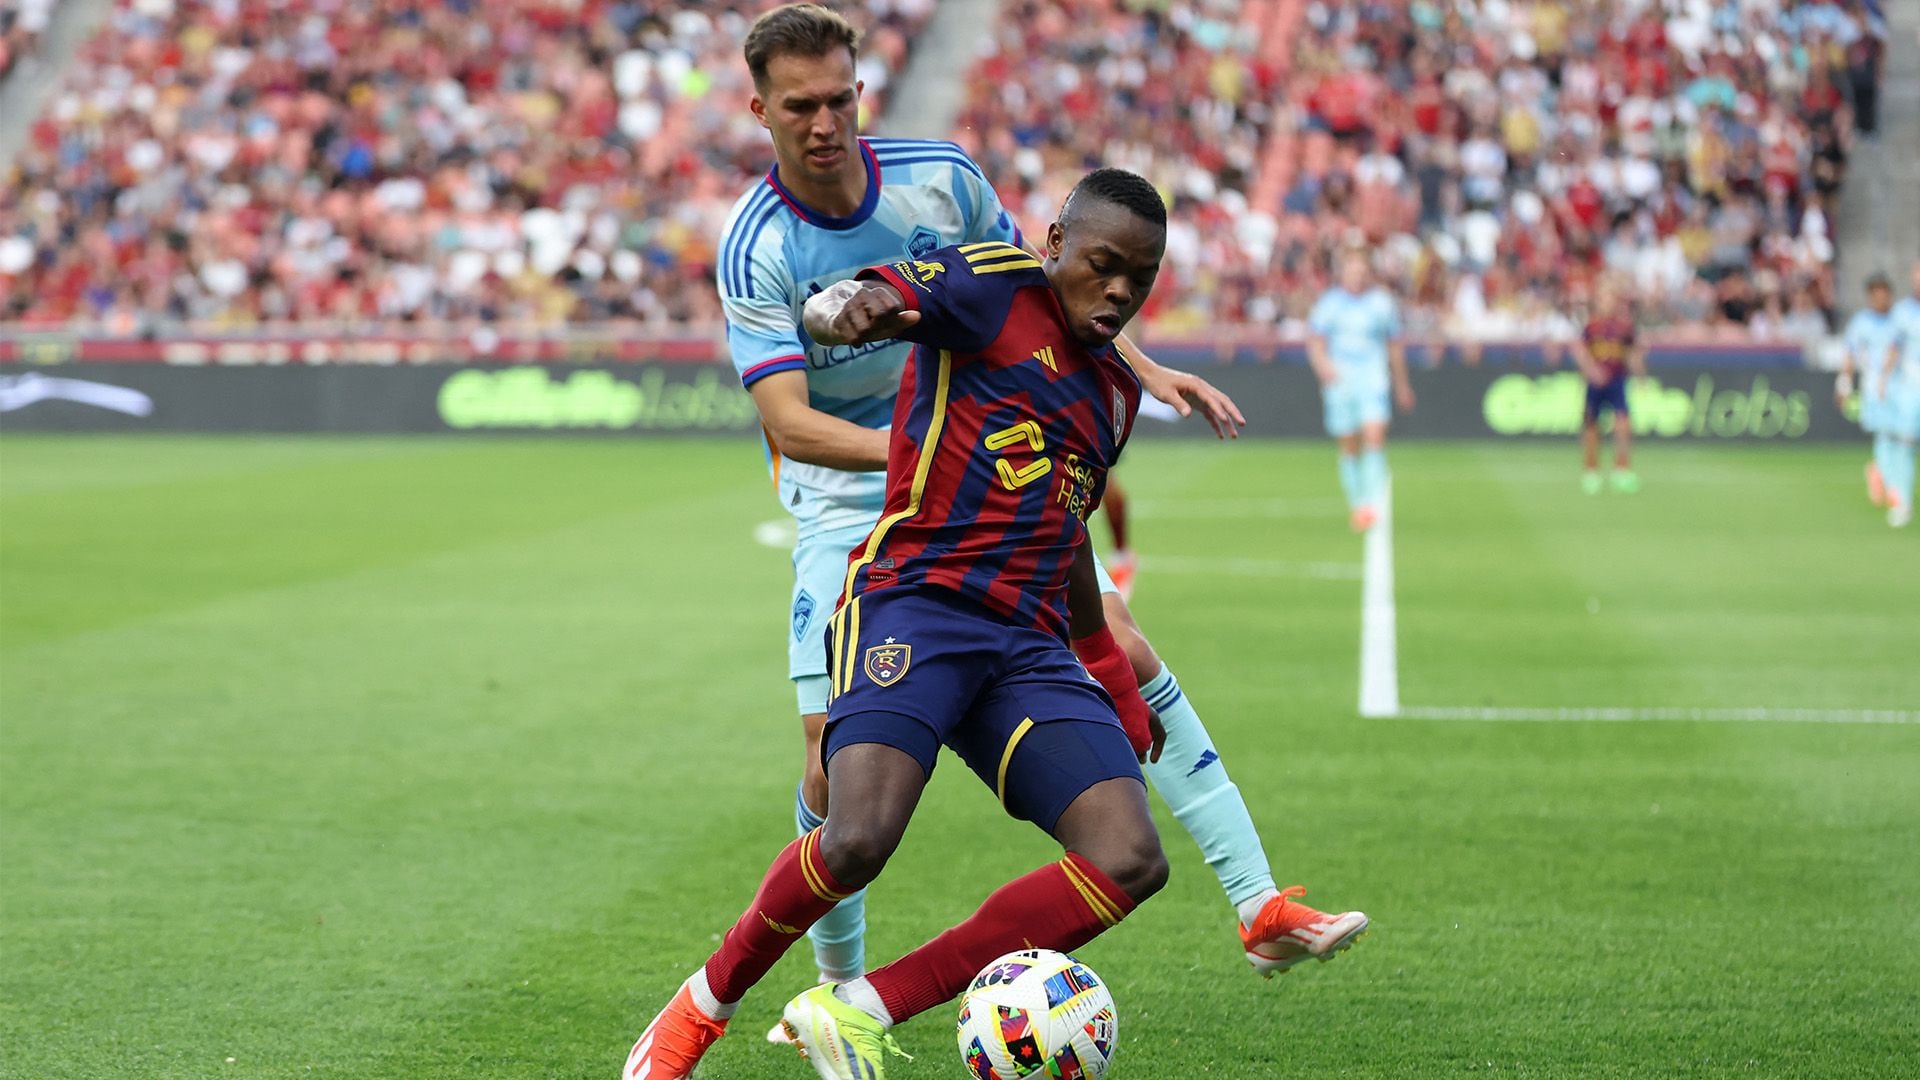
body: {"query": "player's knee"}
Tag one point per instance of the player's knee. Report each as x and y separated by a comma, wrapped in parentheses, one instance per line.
(856, 848)
(1140, 868)
(1131, 859)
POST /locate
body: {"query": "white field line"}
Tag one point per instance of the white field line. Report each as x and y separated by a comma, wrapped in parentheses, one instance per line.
(1271, 568)
(1379, 633)
(1758, 714)
(1380, 676)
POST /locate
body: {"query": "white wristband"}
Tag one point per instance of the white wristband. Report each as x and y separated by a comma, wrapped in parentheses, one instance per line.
(823, 307)
(1843, 386)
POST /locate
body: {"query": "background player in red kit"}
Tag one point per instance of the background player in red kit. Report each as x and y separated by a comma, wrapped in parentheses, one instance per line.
(1608, 350)
(955, 626)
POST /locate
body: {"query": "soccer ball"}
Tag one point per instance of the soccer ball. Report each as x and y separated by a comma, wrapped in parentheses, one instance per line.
(1037, 1013)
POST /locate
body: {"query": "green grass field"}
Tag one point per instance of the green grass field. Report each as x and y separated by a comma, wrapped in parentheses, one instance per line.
(422, 758)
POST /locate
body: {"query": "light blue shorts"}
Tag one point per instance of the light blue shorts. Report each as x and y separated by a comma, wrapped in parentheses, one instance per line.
(1900, 413)
(1872, 413)
(819, 577)
(1350, 409)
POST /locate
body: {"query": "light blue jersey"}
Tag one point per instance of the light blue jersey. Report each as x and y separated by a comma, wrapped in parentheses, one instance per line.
(1903, 390)
(1868, 337)
(1357, 329)
(776, 252)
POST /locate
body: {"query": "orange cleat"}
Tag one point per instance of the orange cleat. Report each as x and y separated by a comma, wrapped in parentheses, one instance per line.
(1363, 518)
(1121, 568)
(1876, 487)
(674, 1043)
(1287, 932)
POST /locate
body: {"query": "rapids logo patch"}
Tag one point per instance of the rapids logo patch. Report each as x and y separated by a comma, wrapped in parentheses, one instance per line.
(923, 242)
(887, 663)
(1119, 410)
(802, 613)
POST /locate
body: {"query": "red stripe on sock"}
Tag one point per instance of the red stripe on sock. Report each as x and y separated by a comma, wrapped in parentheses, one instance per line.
(793, 896)
(1060, 906)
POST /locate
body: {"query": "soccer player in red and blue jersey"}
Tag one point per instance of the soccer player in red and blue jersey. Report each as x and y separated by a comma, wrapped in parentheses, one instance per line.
(1607, 351)
(960, 623)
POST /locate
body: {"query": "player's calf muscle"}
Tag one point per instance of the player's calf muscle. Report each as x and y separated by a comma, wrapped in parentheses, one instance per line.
(1146, 664)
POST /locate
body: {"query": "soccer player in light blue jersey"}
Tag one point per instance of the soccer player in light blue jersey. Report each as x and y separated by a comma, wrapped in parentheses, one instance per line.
(835, 203)
(1872, 334)
(1900, 386)
(1356, 353)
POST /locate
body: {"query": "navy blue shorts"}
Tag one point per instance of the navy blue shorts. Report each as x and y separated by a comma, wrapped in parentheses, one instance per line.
(918, 668)
(1611, 395)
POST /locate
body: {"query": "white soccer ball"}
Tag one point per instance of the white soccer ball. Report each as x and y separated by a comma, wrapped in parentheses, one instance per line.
(1037, 1013)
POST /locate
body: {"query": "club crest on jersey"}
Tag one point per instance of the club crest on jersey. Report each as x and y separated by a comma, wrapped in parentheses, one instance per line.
(923, 242)
(887, 663)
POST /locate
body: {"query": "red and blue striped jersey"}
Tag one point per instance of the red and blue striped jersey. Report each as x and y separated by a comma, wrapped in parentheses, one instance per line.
(1003, 433)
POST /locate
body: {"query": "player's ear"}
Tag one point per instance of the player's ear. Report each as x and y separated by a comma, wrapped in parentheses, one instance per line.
(1056, 240)
(759, 108)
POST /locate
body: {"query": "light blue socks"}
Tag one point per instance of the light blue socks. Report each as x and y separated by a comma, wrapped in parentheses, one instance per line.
(1191, 777)
(840, 937)
(1896, 470)
(1373, 477)
(1349, 482)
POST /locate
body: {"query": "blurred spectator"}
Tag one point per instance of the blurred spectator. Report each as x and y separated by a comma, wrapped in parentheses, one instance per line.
(22, 23)
(1499, 155)
(233, 164)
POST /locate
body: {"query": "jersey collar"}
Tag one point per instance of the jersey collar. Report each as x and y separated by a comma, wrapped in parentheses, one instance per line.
(824, 221)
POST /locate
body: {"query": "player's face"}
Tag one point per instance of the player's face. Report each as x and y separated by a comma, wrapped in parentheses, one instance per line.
(1880, 298)
(811, 106)
(1353, 273)
(1102, 267)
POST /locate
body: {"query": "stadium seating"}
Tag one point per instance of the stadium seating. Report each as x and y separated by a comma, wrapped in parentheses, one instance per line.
(537, 162)
(523, 162)
(1500, 155)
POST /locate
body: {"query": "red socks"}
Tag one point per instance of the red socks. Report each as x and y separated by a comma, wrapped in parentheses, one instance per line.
(796, 892)
(1060, 906)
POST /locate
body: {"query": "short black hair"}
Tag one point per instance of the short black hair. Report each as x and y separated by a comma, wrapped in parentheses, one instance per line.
(1879, 280)
(1121, 188)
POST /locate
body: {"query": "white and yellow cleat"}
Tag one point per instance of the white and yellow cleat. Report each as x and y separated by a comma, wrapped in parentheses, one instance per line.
(1288, 932)
(840, 1041)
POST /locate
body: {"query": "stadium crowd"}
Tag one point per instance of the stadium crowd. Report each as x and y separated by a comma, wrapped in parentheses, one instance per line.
(231, 164)
(541, 161)
(1499, 154)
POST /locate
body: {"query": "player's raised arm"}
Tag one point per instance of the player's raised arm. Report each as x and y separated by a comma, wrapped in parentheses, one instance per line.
(1183, 390)
(772, 361)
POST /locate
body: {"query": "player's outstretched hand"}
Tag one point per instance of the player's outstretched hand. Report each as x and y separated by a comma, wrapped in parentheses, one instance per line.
(1185, 391)
(857, 312)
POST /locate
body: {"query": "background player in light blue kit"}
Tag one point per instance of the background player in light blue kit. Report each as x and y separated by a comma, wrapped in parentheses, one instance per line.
(833, 204)
(1872, 334)
(1900, 379)
(1355, 349)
